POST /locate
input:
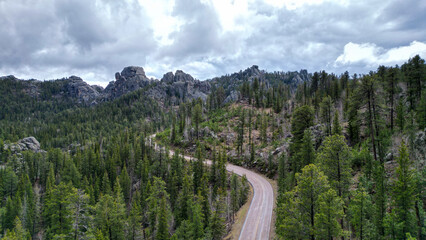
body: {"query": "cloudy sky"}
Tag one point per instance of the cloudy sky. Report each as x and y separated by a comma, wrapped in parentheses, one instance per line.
(93, 39)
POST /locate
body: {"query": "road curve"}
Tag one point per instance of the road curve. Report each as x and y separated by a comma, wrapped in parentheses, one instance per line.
(257, 224)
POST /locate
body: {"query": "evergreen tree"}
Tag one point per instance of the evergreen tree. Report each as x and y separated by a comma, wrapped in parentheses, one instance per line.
(303, 118)
(57, 210)
(329, 212)
(334, 160)
(18, 232)
(197, 117)
(325, 113)
(310, 210)
(404, 194)
(106, 185)
(197, 221)
(198, 168)
(125, 185)
(390, 87)
(244, 190)
(379, 198)
(135, 219)
(282, 172)
(421, 111)
(217, 222)
(400, 114)
(307, 151)
(360, 210)
(80, 216)
(110, 214)
(162, 225)
(337, 129)
(235, 187)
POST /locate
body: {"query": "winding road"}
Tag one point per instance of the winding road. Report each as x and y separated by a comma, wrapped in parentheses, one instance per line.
(257, 224)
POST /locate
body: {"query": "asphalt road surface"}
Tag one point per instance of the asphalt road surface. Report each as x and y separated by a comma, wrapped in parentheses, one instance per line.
(257, 224)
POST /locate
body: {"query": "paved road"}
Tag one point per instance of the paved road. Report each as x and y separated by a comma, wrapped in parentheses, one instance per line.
(257, 224)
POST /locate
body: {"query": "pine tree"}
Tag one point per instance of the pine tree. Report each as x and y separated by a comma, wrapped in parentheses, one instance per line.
(282, 172)
(400, 114)
(404, 194)
(162, 225)
(18, 232)
(337, 129)
(184, 200)
(303, 118)
(110, 214)
(310, 209)
(198, 168)
(28, 214)
(360, 209)
(353, 119)
(57, 210)
(125, 185)
(197, 221)
(197, 117)
(307, 153)
(12, 210)
(79, 213)
(106, 185)
(415, 78)
(240, 139)
(235, 185)
(325, 113)
(335, 161)
(329, 212)
(217, 222)
(135, 219)
(391, 90)
(204, 200)
(244, 190)
(379, 198)
(421, 111)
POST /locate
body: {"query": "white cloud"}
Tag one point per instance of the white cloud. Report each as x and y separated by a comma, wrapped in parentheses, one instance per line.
(372, 55)
(294, 4)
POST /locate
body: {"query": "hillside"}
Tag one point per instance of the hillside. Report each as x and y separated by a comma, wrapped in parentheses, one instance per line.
(348, 151)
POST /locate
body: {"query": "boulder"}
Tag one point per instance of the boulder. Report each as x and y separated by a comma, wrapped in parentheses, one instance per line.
(25, 144)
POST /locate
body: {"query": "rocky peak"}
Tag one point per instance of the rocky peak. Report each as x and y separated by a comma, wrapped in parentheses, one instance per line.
(133, 72)
(78, 89)
(179, 76)
(254, 70)
(131, 79)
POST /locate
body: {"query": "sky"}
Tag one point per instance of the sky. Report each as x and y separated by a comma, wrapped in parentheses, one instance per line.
(93, 39)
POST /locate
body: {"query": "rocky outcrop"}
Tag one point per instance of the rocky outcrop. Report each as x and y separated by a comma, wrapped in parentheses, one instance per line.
(25, 144)
(420, 148)
(79, 90)
(179, 87)
(317, 135)
(232, 97)
(131, 79)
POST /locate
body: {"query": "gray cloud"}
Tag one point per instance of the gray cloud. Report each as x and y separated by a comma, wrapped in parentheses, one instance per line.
(94, 39)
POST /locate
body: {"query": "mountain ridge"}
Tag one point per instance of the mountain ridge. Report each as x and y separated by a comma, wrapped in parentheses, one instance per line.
(174, 87)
